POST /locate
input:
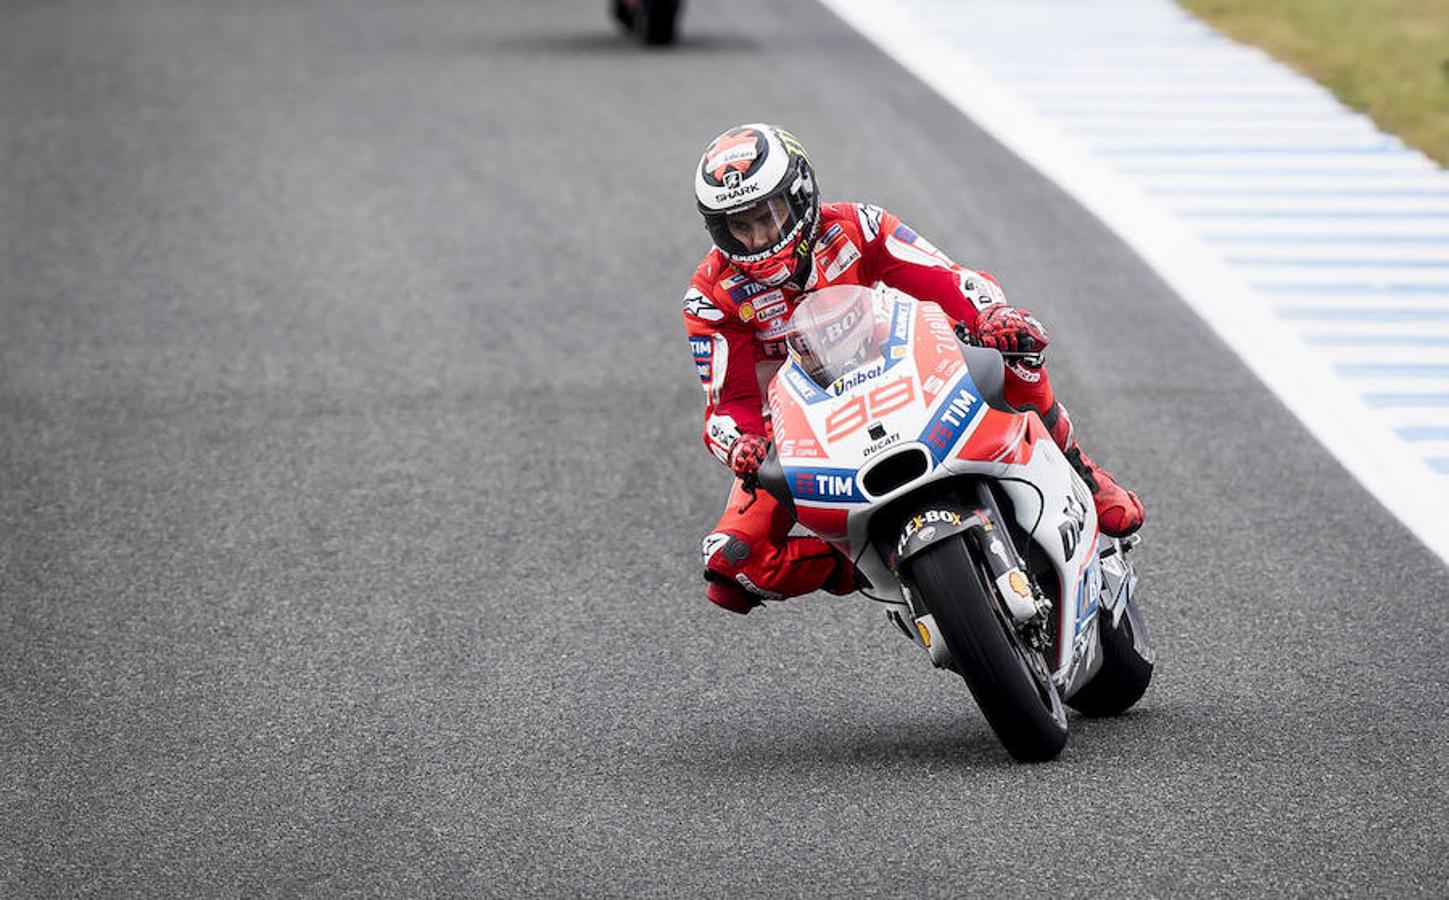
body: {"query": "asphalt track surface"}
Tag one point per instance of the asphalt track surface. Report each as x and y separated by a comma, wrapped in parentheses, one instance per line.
(351, 490)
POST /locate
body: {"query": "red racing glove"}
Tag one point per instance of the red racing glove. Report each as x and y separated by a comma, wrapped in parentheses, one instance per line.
(747, 454)
(1010, 330)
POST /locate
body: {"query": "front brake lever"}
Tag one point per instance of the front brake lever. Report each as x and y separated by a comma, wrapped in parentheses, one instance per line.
(1032, 360)
(751, 485)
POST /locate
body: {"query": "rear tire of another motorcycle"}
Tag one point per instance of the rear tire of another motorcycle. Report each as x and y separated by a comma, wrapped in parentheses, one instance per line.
(623, 14)
(655, 21)
(1124, 675)
(1022, 707)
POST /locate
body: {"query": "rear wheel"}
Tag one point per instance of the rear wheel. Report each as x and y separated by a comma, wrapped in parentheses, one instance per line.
(1125, 672)
(623, 14)
(656, 20)
(1010, 681)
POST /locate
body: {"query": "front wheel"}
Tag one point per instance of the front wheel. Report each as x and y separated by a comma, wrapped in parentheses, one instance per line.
(1010, 681)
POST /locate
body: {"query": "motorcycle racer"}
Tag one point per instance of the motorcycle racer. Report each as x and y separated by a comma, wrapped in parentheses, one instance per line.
(774, 240)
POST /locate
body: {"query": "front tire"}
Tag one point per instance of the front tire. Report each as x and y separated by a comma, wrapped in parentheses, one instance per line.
(1010, 681)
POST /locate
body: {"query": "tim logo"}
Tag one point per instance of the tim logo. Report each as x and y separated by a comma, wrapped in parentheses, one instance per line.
(823, 485)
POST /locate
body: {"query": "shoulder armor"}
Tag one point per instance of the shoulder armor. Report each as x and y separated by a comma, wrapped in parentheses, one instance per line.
(869, 217)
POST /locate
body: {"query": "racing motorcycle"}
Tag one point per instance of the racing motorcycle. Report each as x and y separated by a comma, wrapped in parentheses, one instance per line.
(893, 441)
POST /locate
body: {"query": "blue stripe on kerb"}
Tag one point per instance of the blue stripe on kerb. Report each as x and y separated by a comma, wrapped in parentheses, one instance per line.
(1337, 193)
(1090, 113)
(1387, 401)
(1092, 108)
(1289, 99)
(1361, 313)
(1362, 172)
(1273, 287)
(1377, 340)
(1439, 464)
(1423, 433)
(1237, 237)
(1392, 370)
(1252, 150)
(1312, 214)
(1319, 262)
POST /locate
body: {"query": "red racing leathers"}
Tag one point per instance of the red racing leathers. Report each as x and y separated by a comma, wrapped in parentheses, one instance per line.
(736, 330)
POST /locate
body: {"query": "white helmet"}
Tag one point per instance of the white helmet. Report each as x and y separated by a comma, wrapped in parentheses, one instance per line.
(760, 174)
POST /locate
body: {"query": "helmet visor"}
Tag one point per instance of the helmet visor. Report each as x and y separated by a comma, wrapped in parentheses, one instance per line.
(753, 232)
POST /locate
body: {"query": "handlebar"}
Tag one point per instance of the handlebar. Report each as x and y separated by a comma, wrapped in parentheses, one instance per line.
(1032, 359)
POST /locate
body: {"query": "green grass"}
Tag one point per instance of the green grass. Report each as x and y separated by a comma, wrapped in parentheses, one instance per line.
(1387, 58)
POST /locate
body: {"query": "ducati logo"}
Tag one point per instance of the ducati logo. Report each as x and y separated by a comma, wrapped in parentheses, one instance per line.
(1075, 515)
(732, 180)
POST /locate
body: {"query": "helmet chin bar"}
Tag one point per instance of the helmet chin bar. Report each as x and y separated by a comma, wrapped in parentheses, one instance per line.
(762, 273)
(791, 255)
(796, 267)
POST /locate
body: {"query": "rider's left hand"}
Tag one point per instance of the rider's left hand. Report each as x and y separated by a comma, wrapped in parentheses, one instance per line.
(1010, 330)
(747, 454)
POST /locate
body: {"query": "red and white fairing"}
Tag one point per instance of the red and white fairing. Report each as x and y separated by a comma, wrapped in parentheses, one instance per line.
(904, 413)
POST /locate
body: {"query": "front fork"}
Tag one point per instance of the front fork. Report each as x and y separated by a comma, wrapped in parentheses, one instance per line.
(986, 529)
(1023, 599)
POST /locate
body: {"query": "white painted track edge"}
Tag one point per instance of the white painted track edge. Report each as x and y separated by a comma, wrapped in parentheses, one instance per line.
(1302, 380)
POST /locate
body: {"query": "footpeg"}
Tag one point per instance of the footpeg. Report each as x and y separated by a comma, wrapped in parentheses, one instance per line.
(1112, 546)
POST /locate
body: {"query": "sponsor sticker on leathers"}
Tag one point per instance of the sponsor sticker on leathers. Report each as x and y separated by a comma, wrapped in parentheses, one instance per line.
(843, 260)
(771, 306)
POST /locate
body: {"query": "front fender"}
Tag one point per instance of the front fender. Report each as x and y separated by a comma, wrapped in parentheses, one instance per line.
(930, 521)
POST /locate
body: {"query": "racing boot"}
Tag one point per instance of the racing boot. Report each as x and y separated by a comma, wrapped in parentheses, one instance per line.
(799, 566)
(1119, 512)
(846, 579)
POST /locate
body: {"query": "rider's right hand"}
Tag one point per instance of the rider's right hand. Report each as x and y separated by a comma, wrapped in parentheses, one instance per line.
(747, 454)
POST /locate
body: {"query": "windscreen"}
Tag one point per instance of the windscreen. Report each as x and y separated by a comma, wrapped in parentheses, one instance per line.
(833, 332)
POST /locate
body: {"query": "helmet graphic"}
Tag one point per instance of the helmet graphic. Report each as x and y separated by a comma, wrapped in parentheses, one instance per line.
(755, 188)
